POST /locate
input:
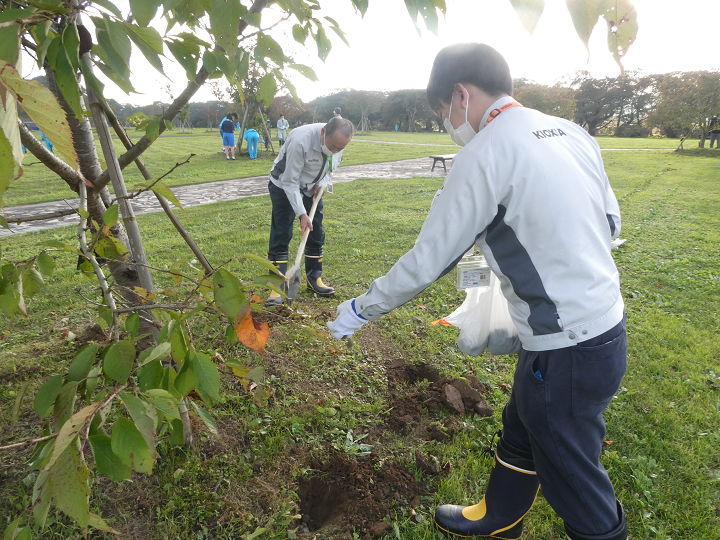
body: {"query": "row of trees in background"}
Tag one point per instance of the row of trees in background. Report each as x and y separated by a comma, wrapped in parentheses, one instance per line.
(630, 105)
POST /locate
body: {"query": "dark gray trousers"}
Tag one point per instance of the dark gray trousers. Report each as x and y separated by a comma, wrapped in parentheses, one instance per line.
(281, 226)
(559, 419)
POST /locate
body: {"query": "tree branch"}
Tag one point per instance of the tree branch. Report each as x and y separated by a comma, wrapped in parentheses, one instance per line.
(29, 441)
(149, 188)
(172, 111)
(50, 160)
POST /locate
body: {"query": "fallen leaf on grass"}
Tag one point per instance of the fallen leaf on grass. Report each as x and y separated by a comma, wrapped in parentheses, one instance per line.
(607, 443)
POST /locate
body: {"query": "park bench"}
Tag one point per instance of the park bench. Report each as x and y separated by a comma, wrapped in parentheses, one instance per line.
(446, 157)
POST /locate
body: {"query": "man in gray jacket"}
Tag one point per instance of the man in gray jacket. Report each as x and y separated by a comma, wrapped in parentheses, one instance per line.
(282, 127)
(531, 191)
(301, 169)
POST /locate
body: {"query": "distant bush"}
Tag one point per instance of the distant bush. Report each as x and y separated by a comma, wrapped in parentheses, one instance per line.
(632, 130)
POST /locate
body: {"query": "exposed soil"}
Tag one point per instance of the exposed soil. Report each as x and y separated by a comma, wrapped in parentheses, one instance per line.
(350, 494)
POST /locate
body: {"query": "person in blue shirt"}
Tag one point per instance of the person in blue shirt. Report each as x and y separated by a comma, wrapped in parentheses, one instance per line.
(252, 137)
(47, 142)
(227, 128)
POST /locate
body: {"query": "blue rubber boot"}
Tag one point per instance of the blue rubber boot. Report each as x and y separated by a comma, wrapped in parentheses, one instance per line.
(511, 491)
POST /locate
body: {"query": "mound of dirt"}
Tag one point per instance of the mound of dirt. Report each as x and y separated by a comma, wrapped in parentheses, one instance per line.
(355, 495)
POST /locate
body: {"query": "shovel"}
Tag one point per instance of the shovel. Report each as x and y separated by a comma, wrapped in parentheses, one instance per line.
(293, 275)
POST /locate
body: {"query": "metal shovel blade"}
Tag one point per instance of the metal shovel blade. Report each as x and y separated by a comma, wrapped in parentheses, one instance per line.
(293, 286)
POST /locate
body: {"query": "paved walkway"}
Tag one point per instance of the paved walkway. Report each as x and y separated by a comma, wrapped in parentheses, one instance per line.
(227, 190)
(224, 190)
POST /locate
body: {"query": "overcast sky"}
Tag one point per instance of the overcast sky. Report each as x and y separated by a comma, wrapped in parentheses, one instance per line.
(386, 52)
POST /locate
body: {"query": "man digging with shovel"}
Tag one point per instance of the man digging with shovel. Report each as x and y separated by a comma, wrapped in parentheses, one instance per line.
(531, 191)
(297, 179)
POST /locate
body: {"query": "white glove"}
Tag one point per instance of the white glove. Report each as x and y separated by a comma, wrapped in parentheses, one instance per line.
(347, 321)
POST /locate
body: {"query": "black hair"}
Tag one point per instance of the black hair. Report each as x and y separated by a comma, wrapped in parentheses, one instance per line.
(229, 115)
(470, 63)
(337, 110)
(342, 125)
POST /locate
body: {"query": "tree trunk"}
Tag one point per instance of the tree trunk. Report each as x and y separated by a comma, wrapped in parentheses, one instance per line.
(125, 275)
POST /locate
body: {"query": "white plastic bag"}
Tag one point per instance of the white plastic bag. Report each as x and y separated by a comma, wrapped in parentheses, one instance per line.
(484, 322)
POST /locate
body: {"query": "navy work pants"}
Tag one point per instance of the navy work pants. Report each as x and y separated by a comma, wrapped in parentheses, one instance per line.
(281, 226)
(558, 417)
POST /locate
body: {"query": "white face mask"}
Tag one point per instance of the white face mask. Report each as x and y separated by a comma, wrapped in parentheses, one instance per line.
(465, 133)
(325, 149)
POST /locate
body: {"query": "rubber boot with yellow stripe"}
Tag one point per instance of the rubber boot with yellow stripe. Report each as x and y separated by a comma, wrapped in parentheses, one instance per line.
(511, 491)
(313, 271)
(276, 299)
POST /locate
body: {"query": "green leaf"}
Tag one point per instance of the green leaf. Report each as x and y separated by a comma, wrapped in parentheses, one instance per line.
(224, 25)
(132, 324)
(335, 28)
(149, 36)
(228, 294)
(7, 162)
(67, 485)
(144, 10)
(45, 263)
(584, 15)
(361, 6)
(99, 523)
(152, 131)
(93, 379)
(110, 216)
(9, 533)
(41, 105)
(162, 189)
(209, 61)
(150, 377)
(106, 461)
(64, 77)
(621, 18)
(155, 353)
(208, 376)
(130, 446)
(253, 19)
(32, 282)
(110, 6)
(163, 401)
(64, 404)
(18, 403)
(46, 396)
(69, 432)
(83, 362)
(206, 418)
(10, 43)
(71, 44)
(184, 58)
(91, 80)
(144, 416)
(115, 55)
(529, 12)
(41, 33)
(299, 34)
(122, 83)
(119, 360)
(266, 89)
(40, 513)
(186, 380)
(323, 43)
(176, 437)
(267, 47)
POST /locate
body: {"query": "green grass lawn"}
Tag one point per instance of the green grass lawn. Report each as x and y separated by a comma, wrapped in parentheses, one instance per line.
(38, 184)
(663, 426)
